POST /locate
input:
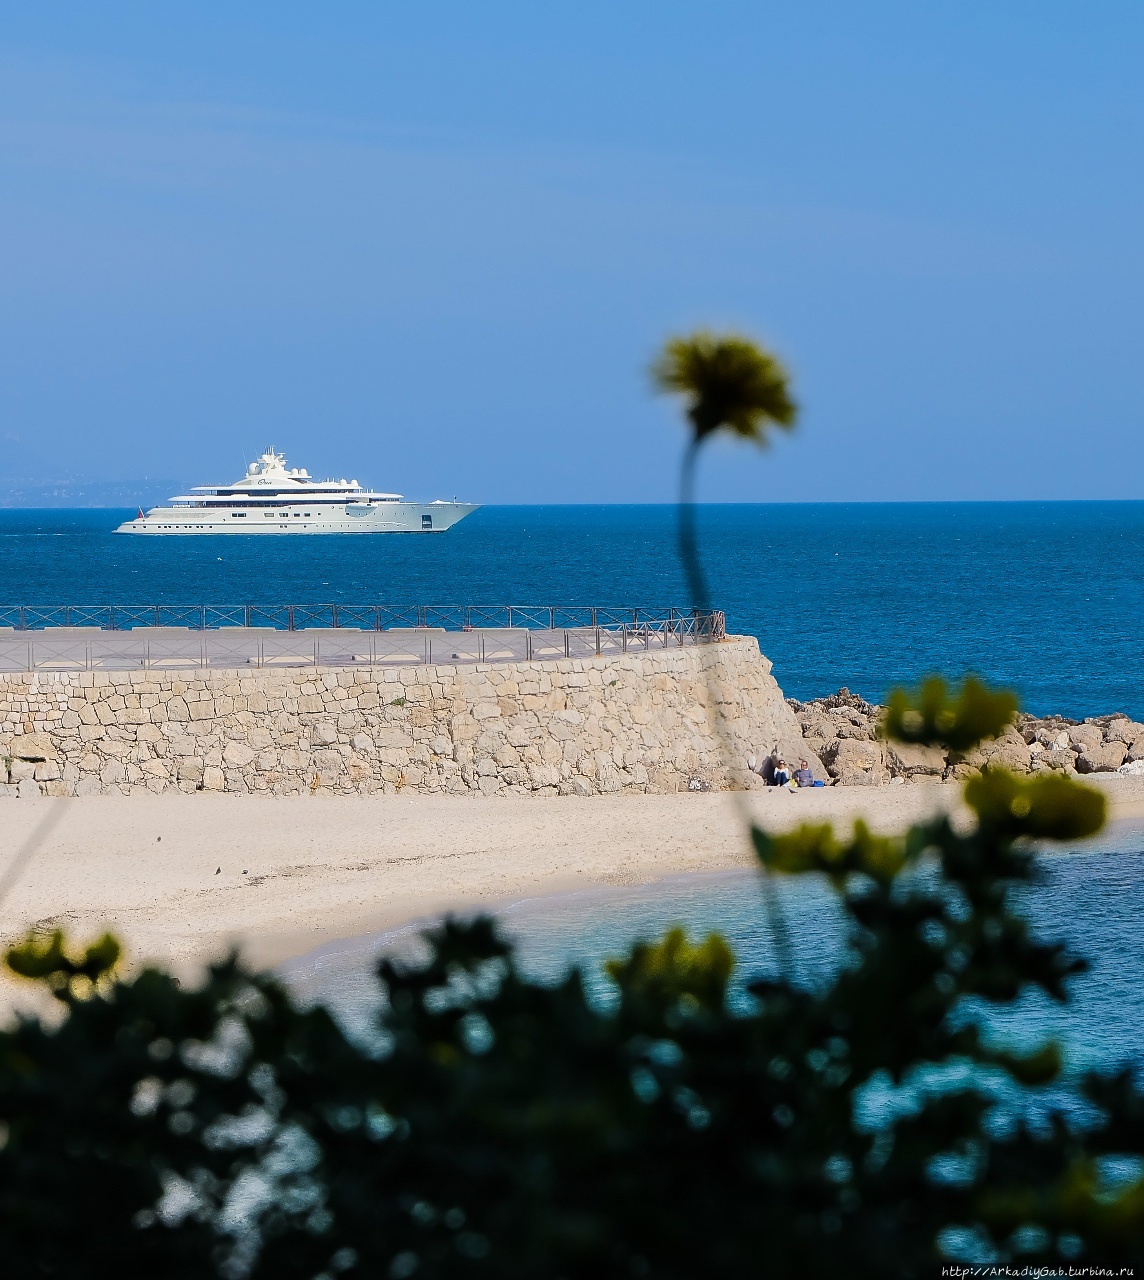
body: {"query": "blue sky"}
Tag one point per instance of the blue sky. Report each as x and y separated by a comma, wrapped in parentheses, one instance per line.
(436, 246)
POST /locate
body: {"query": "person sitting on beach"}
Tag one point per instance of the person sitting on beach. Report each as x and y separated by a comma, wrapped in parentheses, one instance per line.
(782, 772)
(803, 775)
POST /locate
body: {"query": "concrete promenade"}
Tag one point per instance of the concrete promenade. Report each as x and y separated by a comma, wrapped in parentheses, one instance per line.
(229, 648)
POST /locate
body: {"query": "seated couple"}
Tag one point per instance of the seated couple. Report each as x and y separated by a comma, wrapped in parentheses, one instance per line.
(775, 771)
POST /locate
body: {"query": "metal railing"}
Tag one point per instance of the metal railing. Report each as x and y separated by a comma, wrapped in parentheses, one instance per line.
(372, 617)
(171, 646)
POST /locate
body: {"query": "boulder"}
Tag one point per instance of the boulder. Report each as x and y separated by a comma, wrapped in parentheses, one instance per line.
(855, 762)
(1051, 735)
(1136, 750)
(1010, 751)
(1083, 736)
(1105, 758)
(1124, 730)
(1057, 758)
(908, 760)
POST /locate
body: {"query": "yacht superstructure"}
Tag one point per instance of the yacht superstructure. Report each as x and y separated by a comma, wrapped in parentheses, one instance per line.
(270, 499)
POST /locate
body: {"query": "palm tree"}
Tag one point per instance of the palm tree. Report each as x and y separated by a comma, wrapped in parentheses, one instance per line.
(732, 385)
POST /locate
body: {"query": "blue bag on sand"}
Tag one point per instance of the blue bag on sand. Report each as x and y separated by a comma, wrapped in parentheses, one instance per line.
(819, 783)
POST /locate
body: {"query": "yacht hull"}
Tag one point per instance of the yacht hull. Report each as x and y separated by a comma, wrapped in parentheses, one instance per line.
(350, 518)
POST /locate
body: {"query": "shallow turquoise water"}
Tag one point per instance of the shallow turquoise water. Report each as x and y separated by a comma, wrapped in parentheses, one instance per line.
(1045, 597)
(1091, 899)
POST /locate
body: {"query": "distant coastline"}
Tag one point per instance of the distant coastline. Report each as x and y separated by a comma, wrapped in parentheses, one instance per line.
(76, 495)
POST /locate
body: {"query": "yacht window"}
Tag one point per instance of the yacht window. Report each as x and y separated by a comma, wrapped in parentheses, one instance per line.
(307, 513)
(269, 515)
(427, 522)
(284, 515)
(238, 515)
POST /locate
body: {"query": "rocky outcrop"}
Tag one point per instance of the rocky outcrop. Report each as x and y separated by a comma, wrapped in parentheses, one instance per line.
(635, 722)
(844, 730)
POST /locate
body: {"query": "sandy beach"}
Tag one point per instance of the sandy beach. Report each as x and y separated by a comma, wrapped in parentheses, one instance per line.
(181, 878)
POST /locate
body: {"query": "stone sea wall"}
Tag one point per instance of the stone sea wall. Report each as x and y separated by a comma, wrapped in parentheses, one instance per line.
(578, 726)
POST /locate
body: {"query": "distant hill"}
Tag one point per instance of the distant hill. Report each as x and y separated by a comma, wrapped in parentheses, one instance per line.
(79, 493)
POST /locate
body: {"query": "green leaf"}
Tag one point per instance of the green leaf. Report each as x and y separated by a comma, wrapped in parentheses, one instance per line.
(1048, 806)
(812, 847)
(39, 958)
(1040, 1067)
(929, 716)
(674, 968)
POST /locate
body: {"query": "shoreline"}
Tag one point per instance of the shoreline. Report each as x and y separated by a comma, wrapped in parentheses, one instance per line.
(181, 879)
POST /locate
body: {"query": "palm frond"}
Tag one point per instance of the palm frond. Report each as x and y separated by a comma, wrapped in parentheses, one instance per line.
(730, 384)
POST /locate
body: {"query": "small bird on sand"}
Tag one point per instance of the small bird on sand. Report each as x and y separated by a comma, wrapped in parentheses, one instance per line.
(218, 870)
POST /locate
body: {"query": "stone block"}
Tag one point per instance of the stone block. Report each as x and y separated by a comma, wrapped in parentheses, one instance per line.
(190, 770)
(238, 755)
(32, 746)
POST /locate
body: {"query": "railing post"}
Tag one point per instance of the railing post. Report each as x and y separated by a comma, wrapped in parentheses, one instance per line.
(597, 636)
(567, 647)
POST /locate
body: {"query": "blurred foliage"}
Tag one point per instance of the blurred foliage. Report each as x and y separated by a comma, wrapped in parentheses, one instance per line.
(729, 383)
(862, 1126)
(930, 717)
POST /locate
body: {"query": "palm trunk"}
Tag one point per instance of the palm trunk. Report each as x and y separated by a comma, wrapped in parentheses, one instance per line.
(701, 600)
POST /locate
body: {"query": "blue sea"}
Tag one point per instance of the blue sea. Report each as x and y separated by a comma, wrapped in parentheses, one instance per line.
(1047, 598)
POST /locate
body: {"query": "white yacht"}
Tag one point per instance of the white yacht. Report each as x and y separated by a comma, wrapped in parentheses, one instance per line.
(272, 499)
